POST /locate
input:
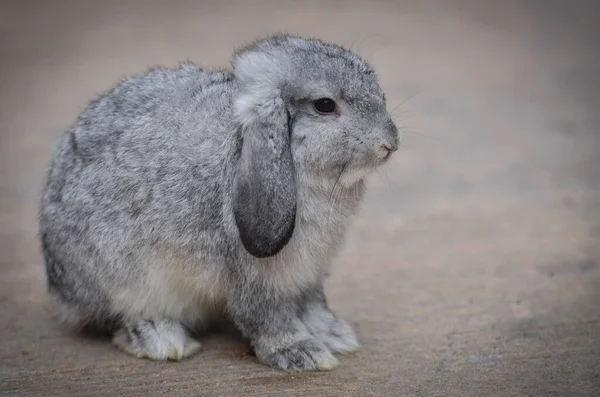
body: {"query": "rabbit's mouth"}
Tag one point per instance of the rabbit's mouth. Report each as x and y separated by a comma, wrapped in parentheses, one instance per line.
(359, 167)
(353, 173)
(384, 152)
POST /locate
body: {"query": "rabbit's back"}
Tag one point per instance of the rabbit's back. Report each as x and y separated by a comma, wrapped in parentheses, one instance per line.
(147, 152)
(141, 174)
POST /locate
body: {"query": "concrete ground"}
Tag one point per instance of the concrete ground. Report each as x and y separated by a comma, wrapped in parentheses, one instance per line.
(474, 267)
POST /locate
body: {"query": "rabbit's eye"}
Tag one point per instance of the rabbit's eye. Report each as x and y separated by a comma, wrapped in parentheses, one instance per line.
(324, 105)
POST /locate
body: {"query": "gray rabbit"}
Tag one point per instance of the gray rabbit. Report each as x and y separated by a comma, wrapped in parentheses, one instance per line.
(184, 197)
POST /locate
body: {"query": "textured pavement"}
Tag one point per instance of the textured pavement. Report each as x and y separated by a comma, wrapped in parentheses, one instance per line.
(473, 268)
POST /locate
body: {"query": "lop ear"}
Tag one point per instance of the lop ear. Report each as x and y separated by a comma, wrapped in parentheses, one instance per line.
(264, 187)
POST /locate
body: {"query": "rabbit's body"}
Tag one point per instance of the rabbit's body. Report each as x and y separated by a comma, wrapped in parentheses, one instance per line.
(144, 226)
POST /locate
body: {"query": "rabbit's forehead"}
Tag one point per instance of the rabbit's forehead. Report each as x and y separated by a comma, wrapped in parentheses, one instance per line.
(339, 78)
(310, 68)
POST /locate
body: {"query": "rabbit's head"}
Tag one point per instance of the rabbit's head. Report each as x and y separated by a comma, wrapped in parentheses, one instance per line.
(310, 113)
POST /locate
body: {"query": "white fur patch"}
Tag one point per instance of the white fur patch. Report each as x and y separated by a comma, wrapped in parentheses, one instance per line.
(260, 75)
(258, 68)
(174, 290)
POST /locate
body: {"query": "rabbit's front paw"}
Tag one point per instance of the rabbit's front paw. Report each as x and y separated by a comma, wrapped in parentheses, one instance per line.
(156, 340)
(304, 355)
(339, 337)
(333, 332)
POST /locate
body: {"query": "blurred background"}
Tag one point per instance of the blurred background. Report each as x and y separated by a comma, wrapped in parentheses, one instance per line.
(473, 268)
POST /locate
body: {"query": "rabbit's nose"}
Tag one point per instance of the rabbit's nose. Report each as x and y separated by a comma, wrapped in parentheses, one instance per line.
(389, 141)
(390, 147)
(386, 148)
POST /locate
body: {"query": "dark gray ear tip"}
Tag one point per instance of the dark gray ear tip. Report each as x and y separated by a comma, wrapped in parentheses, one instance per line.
(262, 244)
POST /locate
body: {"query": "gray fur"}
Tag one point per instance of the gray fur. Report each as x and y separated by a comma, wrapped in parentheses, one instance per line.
(183, 196)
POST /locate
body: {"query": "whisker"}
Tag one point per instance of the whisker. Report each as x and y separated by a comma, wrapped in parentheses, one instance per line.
(333, 194)
(336, 195)
(403, 146)
(402, 115)
(403, 102)
(337, 181)
(332, 198)
(389, 182)
(419, 134)
(396, 160)
(410, 132)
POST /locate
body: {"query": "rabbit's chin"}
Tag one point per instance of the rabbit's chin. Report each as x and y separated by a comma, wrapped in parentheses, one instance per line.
(352, 176)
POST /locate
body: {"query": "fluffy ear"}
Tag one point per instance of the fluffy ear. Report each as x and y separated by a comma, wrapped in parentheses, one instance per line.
(264, 189)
